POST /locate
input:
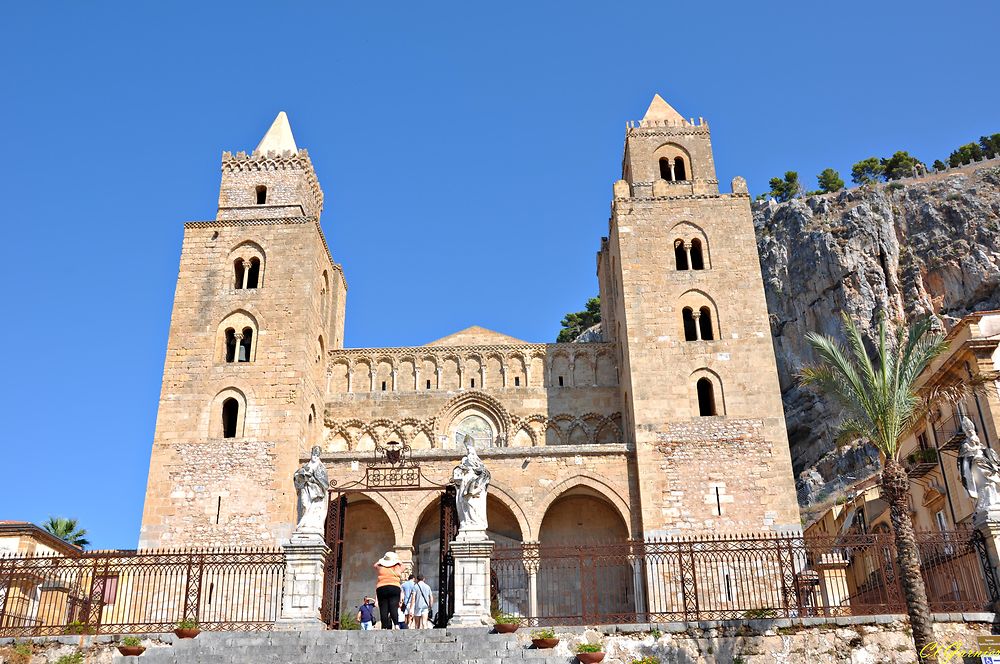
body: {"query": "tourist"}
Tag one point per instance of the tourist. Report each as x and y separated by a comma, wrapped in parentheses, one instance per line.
(421, 603)
(366, 613)
(404, 605)
(387, 588)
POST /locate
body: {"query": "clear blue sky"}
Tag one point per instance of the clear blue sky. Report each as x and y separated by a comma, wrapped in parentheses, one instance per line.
(467, 151)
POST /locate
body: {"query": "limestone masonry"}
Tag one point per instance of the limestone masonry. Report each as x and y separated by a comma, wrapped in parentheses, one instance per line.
(671, 425)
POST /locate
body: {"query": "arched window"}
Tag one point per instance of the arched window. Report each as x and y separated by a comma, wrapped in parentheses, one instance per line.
(230, 416)
(706, 397)
(680, 255)
(697, 258)
(690, 326)
(239, 273)
(679, 172)
(666, 170)
(705, 324)
(246, 344)
(230, 345)
(261, 192)
(253, 274)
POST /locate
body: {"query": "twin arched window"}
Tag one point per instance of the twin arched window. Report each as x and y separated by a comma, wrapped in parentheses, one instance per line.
(689, 255)
(698, 324)
(246, 273)
(673, 170)
(239, 345)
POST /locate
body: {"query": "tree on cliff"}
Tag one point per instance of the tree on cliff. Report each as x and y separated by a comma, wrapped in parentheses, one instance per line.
(867, 171)
(966, 154)
(786, 189)
(900, 165)
(829, 181)
(575, 323)
(881, 404)
(67, 530)
(990, 145)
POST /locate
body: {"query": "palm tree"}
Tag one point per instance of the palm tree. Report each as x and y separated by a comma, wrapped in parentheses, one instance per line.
(880, 405)
(66, 530)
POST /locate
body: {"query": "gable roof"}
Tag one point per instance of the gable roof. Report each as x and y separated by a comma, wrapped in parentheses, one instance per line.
(477, 336)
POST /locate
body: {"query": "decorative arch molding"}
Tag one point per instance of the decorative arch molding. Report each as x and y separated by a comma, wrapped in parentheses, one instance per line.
(590, 481)
(390, 512)
(473, 400)
(247, 246)
(696, 300)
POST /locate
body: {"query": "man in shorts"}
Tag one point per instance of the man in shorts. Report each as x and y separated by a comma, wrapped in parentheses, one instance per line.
(421, 603)
(406, 613)
(366, 613)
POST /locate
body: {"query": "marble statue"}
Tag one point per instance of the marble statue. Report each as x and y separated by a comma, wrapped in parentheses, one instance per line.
(312, 483)
(471, 478)
(979, 468)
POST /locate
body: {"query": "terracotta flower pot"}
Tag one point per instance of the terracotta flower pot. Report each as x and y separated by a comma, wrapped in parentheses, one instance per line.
(542, 644)
(506, 628)
(590, 657)
(187, 633)
(131, 650)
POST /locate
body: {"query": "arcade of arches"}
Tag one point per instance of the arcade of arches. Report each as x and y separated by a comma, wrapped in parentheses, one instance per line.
(376, 523)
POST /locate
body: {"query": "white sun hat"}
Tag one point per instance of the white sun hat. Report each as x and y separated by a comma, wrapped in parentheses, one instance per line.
(390, 559)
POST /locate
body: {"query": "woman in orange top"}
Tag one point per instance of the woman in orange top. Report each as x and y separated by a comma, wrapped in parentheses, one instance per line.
(387, 588)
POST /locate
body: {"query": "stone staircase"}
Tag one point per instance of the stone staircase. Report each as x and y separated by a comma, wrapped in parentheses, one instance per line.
(429, 646)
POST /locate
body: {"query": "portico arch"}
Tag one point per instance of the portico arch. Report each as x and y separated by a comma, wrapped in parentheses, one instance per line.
(370, 529)
(583, 483)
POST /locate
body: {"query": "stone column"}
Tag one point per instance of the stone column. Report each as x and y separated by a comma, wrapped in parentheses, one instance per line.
(531, 565)
(437, 373)
(687, 250)
(246, 273)
(302, 595)
(696, 315)
(372, 375)
(471, 552)
(832, 568)
(416, 378)
(394, 374)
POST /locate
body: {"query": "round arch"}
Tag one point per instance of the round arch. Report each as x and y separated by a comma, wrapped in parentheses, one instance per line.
(586, 480)
(482, 403)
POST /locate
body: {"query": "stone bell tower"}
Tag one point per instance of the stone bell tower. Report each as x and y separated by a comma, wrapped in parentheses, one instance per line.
(682, 295)
(259, 301)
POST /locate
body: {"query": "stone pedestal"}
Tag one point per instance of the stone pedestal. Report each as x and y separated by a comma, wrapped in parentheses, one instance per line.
(471, 552)
(302, 596)
(987, 522)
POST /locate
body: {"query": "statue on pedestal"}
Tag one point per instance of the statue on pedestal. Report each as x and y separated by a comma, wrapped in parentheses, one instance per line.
(471, 479)
(311, 484)
(979, 468)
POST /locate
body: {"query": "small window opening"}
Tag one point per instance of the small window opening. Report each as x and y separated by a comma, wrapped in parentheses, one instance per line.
(230, 413)
(239, 273)
(230, 345)
(560, 381)
(428, 384)
(679, 172)
(253, 274)
(706, 397)
(680, 255)
(690, 329)
(472, 383)
(261, 194)
(705, 323)
(245, 343)
(517, 381)
(697, 258)
(383, 386)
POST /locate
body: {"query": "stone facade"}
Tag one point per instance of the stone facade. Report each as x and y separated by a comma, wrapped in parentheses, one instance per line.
(642, 434)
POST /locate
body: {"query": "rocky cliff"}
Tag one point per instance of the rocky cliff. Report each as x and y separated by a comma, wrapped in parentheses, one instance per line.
(912, 247)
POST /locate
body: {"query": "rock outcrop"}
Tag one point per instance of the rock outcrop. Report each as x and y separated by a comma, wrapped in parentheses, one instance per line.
(914, 247)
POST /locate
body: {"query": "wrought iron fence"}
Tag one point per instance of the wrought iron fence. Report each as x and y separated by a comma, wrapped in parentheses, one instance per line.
(147, 591)
(730, 578)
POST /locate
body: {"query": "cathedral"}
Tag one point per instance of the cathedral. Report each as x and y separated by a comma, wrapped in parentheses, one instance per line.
(670, 425)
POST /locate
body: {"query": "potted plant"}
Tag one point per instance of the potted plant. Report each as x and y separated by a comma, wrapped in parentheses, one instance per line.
(131, 645)
(590, 653)
(505, 623)
(187, 629)
(544, 638)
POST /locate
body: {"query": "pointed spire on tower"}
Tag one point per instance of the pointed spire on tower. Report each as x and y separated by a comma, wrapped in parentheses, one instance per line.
(278, 138)
(660, 111)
